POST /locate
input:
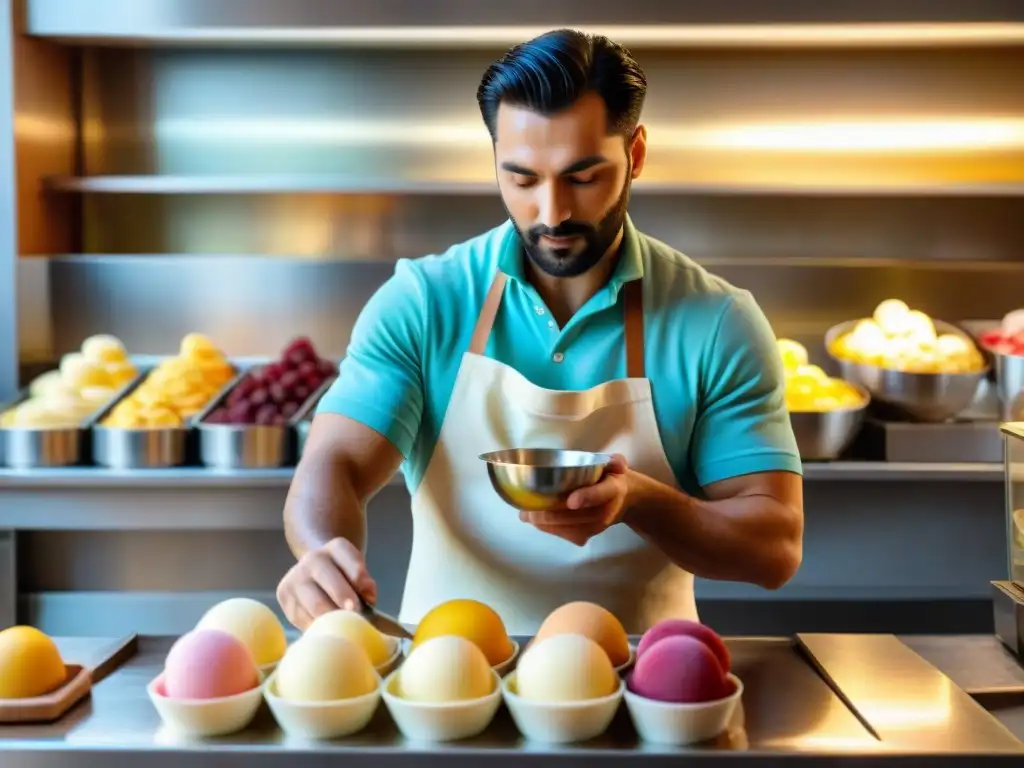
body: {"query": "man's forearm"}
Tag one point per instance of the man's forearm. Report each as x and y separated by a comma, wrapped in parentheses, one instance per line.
(323, 504)
(751, 538)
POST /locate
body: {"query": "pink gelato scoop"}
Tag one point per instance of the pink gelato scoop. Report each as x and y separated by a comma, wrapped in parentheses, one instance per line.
(209, 664)
(679, 670)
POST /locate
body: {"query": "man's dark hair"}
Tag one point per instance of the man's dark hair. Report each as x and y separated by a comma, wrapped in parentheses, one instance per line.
(551, 72)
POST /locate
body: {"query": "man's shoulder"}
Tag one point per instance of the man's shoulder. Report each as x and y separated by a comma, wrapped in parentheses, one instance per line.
(461, 267)
(681, 281)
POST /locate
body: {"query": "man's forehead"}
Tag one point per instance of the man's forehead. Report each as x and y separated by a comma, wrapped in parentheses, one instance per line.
(585, 121)
(554, 142)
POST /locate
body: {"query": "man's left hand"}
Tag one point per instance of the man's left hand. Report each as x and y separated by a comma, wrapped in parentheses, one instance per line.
(590, 510)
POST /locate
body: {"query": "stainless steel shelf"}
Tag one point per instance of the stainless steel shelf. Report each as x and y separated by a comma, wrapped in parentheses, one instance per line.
(407, 23)
(94, 478)
(258, 184)
(194, 498)
(890, 471)
(200, 477)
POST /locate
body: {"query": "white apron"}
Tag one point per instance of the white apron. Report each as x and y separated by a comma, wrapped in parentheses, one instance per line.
(468, 543)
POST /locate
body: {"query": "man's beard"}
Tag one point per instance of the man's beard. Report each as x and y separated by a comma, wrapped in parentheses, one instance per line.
(568, 262)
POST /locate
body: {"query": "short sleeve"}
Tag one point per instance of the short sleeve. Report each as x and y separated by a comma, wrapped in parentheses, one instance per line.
(380, 382)
(743, 425)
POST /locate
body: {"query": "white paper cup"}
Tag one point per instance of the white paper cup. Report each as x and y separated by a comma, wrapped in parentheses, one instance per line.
(659, 722)
(321, 719)
(430, 722)
(560, 722)
(205, 717)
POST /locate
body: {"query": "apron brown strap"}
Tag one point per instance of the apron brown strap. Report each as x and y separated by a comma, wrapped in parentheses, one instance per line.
(634, 326)
(634, 322)
(485, 321)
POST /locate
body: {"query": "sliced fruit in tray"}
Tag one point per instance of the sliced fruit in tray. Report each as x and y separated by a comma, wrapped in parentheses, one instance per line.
(272, 394)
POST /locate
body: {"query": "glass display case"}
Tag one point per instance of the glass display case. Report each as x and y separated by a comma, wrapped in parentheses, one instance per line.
(1009, 595)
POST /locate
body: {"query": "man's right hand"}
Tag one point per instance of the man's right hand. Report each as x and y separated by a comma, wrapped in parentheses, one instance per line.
(323, 580)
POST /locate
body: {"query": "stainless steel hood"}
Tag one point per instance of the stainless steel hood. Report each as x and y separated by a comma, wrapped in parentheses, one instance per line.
(414, 23)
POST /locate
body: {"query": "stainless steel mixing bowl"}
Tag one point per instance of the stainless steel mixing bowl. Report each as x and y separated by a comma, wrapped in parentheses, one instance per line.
(1009, 372)
(1010, 382)
(542, 478)
(824, 435)
(927, 397)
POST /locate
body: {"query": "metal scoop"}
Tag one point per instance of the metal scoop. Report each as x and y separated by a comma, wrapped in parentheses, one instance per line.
(384, 623)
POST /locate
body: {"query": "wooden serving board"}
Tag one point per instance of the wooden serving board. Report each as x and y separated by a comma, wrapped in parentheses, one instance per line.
(101, 655)
(95, 658)
(42, 709)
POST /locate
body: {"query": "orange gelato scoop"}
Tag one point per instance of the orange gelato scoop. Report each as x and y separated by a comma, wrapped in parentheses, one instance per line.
(30, 664)
(469, 619)
(593, 622)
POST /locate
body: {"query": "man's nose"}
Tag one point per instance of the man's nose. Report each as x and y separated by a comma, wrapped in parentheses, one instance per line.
(553, 206)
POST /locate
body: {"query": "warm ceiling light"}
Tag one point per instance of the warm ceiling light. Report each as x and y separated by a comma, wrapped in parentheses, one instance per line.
(863, 136)
(652, 35)
(930, 135)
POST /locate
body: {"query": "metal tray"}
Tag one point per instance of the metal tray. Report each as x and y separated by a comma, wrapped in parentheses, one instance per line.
(28, 448)
(138, 448)
(249, 446)
(953, 442)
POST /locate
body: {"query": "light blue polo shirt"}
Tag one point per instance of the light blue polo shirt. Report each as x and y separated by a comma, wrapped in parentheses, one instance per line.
(710, 354)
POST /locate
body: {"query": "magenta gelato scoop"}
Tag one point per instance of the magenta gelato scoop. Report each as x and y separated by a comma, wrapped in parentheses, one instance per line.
(209, 664)
(694, 629)
(679, 670)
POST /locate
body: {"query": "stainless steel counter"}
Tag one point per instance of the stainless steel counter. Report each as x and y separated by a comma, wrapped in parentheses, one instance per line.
(857, 698)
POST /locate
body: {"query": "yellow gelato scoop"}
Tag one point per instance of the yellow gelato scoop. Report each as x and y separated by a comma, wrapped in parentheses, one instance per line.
(565, 668)
(445, 669)
(794, 354)
(253, 623)
(103, 348)
(325, 668)
(351, 626)
(196, 345)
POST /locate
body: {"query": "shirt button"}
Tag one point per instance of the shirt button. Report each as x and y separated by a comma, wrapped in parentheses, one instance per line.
(539, 310)
(558, 357)
(551, 323)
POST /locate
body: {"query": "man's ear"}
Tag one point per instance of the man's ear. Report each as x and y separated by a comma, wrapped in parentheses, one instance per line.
(638, 150)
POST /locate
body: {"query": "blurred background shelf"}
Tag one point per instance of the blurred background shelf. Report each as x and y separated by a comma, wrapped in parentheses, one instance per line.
(271, 184)
(95, 478)
(251, 169)
(72, 296)
(399, 23)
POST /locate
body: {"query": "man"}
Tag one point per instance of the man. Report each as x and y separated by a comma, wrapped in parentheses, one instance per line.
(563, 328)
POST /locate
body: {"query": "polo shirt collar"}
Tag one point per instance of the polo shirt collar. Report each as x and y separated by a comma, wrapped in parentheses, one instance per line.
(630, 266)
